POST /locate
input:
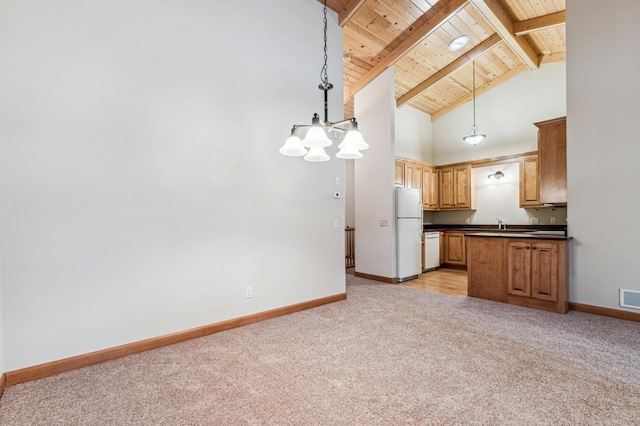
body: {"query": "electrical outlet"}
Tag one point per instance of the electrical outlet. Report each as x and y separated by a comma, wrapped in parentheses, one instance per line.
(466, 221)
(534, 220)
(553, 220)
(249, 293)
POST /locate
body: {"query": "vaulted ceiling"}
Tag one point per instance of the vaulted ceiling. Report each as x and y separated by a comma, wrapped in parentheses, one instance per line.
(506, 37)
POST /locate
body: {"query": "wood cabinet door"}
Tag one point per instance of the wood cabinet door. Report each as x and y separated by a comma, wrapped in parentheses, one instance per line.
(412, 176)
(433, 189)
(519, 268)
(429, 188)
(486, 267)
(545, 271)
(446, 188)
(454, 248)
(462, 187)
(552, 154)
(529, 185)
(399, 173)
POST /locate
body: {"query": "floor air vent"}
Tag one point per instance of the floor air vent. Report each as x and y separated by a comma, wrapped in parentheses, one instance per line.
(630, 298)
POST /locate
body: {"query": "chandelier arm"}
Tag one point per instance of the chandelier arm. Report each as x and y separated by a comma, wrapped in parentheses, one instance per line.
(348, 120)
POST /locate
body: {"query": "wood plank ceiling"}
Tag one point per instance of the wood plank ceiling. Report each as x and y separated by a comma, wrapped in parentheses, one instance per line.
(506, 37)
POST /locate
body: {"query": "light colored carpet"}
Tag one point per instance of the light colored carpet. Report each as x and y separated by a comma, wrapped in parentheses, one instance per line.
(387, 355)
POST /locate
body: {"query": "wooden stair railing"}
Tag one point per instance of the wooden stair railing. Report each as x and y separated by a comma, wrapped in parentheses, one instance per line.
(350, 247)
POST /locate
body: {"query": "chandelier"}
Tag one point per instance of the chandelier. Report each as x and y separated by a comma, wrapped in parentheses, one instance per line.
(318, 132)
(474, 138)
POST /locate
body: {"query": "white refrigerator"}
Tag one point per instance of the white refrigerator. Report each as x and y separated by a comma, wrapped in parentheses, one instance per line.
(408, 233)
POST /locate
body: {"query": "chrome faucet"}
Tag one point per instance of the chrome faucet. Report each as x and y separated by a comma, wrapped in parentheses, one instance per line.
(501, 224)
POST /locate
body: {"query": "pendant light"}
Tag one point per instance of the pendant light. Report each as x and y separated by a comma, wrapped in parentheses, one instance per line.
(474, 138)
(316, 138)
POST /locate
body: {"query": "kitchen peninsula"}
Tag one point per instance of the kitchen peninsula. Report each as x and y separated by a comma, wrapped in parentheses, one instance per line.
(522, 268)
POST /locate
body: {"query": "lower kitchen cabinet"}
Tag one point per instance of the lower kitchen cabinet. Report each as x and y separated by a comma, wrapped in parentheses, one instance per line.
(454, 249)
(531, 272)
(486, 269)
(536, 274)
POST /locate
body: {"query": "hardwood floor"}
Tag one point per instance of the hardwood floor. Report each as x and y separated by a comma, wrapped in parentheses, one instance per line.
(452, 282)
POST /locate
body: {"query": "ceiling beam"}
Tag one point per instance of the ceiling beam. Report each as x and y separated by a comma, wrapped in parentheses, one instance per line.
(553, 57)
(350, 9)
(540, 23)
(480, 90)
(472, 54)
(448, 10)
(499, 18)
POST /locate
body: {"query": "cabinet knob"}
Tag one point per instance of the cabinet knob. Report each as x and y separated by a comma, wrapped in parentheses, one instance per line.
(528, 247)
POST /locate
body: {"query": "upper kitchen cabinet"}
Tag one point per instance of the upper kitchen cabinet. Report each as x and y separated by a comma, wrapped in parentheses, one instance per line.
(412, 175)
(399, 172)
(429, 188)
(552, 158)
(456, 188)
(529, 182)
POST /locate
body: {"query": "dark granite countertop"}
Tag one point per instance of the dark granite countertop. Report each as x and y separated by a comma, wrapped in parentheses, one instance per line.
(541, 235)
(494, 227)
(513, 231)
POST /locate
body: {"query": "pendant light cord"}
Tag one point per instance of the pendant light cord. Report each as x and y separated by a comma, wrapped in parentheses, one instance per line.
(474, 95)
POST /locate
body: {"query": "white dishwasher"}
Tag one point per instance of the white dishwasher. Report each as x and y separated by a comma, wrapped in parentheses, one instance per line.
(431, 250)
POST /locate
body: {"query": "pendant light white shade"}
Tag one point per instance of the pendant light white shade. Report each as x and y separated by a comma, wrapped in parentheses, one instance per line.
(474, 138)
(293, 146)
(316, 155)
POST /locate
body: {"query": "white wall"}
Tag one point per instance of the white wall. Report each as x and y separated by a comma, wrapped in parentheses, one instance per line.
(350, 191)
(603, 101)
(413, 138)
(505, 114)
(374, 178)
(141, 186)
(2, 369)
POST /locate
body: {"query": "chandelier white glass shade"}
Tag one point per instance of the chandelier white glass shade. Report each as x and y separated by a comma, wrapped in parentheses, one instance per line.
(474, 138)
(316, 138)
(293, 146)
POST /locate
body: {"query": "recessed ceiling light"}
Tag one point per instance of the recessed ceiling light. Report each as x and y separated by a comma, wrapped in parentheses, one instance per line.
(458, 43)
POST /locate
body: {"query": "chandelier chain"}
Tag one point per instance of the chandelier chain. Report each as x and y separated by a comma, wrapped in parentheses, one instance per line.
(323, 73)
